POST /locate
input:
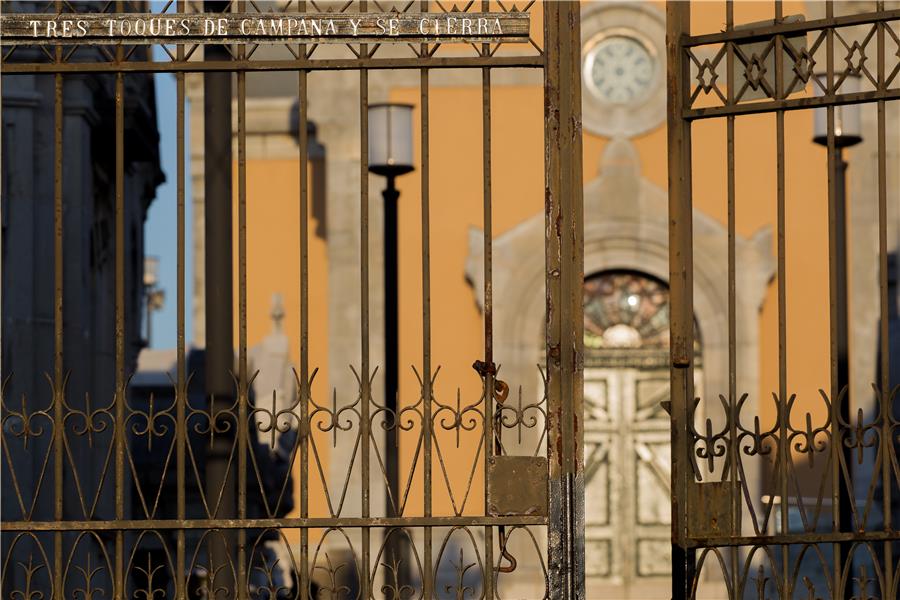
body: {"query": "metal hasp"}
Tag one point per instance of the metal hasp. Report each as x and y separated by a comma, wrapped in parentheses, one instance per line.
(711, 514)
(517, 486)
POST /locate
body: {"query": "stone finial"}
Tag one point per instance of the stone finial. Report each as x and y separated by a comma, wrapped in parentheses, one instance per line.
(277, 313)
(620, 156)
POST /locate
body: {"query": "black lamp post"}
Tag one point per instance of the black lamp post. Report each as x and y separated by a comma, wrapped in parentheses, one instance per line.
(390, 155)
(847, 132)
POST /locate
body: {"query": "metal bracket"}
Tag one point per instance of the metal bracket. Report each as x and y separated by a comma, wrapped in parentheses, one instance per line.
(709, 509)
(517, 485)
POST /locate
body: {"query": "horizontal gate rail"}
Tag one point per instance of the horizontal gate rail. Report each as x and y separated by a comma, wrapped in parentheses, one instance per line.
(791, 104)
(283, 523)
(726, 58)
(324, 64)
(748, 33)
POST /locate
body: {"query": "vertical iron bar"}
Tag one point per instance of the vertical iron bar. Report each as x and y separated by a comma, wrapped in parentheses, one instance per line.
(58, 354)
(119, 587)
(887, 442)
(564, 273)
(181, 383)
(119, 431)
(305, 392)
(120, 329)
(242, 321)
(489, 376)
(783, 445)
(366, 392)
(733, 448)
(836, 438)
(678, 18)
(427, 392)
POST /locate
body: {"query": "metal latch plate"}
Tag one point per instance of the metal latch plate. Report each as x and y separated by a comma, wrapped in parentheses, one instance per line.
(517, 485)
(709, 509)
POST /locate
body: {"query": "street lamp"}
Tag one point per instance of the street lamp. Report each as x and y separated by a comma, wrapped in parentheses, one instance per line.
(847, 117)
(847, 132)
(390, 155)
(153, 296)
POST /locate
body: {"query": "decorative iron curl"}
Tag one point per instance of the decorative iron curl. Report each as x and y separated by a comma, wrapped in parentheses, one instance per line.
(154, 422)
(810, 440)
(336, 419)
(21, 423)
(757, 437)
(710, 444)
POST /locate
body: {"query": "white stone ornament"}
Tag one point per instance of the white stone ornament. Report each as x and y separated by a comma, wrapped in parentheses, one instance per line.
(623, 68)
(619, 69)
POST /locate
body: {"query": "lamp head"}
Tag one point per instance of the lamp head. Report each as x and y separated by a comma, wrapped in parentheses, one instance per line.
(390, 139)
(151, 271)
(847, 118)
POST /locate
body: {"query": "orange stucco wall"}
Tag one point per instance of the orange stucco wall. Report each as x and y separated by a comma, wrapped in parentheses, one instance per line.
(517, 170)
(273, 266)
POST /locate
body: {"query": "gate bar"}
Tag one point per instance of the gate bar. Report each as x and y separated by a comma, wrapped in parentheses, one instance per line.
(733, 447)
(887, 444)
(59, 349)
(784, 28)
(834, 392)
(564, 281)
(243, 383)
(783, 400)
(365, 378)
(119, 587)
(181, 384)
(678, 18)
(490, 374)
(304, 390)
(365, 61)
(279, 523)
(427, 377)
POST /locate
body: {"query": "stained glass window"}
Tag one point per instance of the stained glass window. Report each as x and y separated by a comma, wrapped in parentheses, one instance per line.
(625, 309)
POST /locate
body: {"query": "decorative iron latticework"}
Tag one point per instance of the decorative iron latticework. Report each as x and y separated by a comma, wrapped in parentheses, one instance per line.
(170, 534)
(825, 526)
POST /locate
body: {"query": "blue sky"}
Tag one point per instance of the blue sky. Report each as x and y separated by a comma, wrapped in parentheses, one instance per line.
(162, 218)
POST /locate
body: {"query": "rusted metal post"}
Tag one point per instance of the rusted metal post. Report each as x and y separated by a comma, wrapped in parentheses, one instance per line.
(678, 18)
(219, 354)
(564, 280)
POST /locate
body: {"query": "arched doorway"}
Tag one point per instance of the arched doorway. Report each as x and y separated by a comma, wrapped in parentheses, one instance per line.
(626, 436)
(628, 235)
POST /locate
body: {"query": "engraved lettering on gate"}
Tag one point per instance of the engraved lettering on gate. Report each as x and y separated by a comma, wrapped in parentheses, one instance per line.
(243, 28)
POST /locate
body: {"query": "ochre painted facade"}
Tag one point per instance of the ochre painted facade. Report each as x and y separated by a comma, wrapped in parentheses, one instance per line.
(456, 193)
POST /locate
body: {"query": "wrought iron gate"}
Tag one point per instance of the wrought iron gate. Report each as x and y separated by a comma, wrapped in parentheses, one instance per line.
(783, 543)
(161, 550)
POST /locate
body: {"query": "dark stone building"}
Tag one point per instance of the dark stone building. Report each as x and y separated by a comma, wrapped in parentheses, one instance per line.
(89, 336)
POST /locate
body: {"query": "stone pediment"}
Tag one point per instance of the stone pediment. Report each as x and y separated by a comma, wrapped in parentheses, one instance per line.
(621, 210)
